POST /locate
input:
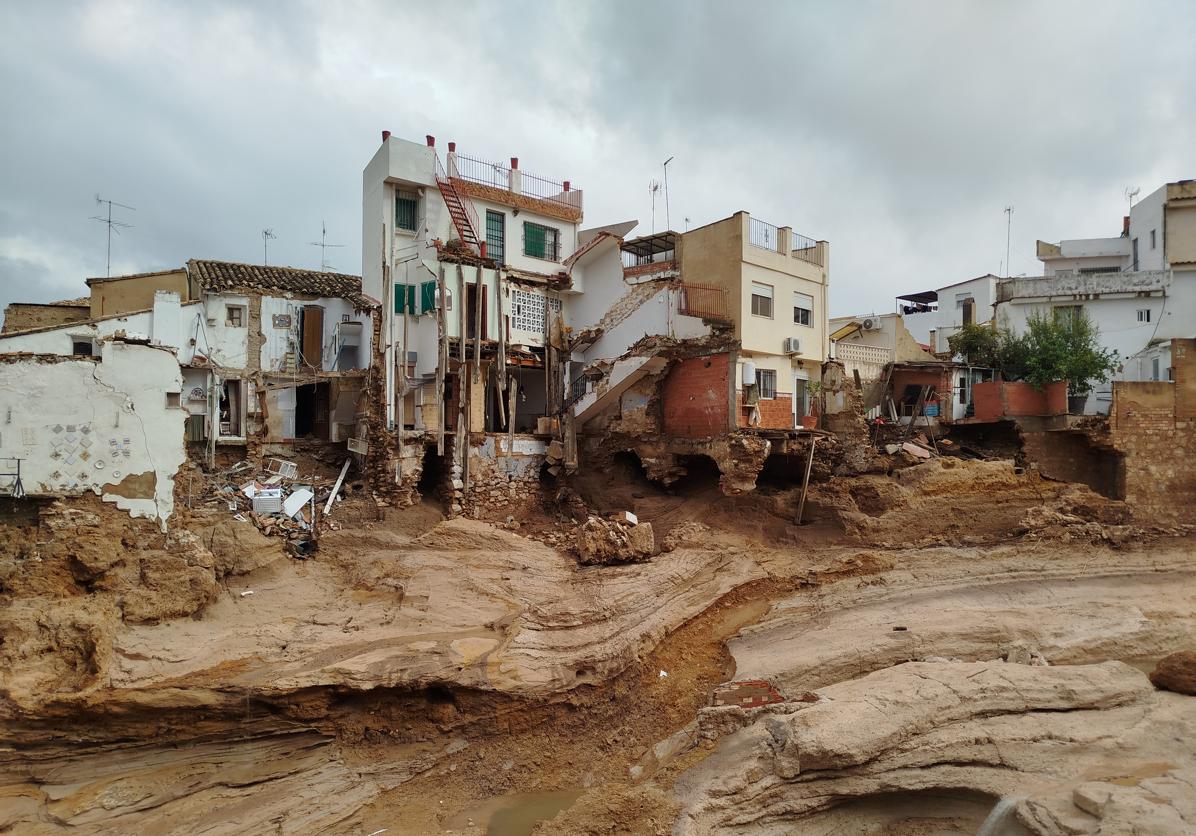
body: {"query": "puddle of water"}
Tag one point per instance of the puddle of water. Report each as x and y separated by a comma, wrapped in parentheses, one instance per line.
(517, 814)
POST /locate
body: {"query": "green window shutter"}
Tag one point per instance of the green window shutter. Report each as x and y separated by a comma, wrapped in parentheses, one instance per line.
(427, 294)
(411, 298)
(400, 297)
(533, 240)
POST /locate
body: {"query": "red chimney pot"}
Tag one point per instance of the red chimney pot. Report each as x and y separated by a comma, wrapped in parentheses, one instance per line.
(566, 184)
(1125, 225)
(514, 162)
(385, 135)
(431, 141)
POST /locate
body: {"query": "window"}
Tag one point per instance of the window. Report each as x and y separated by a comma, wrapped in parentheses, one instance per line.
(767, 379)
(1154, 368)
(541, 241)
(1134, 248)
(1066, 312)
(1144, 314)
(761, 300)
(81, 348)
(496, 236)
(1087, 271)
(803, 309)
(406, 204)
(234, 316)
(1153, 240)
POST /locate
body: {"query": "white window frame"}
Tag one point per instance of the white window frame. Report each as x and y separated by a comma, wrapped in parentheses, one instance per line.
(768, 294)
(764, 391)
(412, 195)
(1144, 314)
(803, 297)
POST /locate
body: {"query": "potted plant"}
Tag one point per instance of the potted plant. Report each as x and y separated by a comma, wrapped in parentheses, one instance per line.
(810, 421)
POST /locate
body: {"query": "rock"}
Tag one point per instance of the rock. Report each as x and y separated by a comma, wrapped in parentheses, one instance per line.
(609, 541)
(1176, 672)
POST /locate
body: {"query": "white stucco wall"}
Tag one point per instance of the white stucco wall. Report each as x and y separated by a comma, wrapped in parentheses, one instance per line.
(949, 316)
(660, 314)
(170, 328)
(278, 341)
(97, 425)
(1145, 216)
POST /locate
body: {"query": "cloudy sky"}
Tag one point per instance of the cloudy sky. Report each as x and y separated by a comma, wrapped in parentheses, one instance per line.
(898, 131)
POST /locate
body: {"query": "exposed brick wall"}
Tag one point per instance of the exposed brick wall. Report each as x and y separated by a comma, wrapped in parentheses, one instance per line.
(1151, 423)
(696, 397)
(1009, 400)
(775, 413)
(21, 317)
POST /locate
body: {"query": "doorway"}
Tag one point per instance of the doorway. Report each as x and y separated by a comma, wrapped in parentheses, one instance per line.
(311, 411)
(232, 407)
(311, 329)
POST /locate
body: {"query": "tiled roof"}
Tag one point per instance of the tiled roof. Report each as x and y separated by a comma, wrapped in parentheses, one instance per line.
(229, 276)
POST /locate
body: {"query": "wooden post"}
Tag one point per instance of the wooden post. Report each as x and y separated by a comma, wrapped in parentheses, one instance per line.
(805, 482)
(478, 298)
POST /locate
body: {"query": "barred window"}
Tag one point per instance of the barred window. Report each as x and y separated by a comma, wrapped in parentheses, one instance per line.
(496, 236)
(406, 204)
(541, 241)
(767, 378)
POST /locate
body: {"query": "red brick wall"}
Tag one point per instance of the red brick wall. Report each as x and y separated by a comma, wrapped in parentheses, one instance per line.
(1007, 400)
(775, 413)
(696, 397)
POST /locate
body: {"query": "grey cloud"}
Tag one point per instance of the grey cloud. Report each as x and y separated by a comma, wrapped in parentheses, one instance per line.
(897, 131)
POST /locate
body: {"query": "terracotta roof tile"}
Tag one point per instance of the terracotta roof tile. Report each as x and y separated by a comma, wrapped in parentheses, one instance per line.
(227, 276)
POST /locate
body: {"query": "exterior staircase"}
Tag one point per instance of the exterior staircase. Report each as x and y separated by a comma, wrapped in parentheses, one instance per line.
(460, 208)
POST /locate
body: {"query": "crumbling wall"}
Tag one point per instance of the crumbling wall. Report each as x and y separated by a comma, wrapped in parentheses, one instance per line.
(1076, 455)
(113, 426)
(504, 472)
(1159, 445)
(21, 316)
(696, 397)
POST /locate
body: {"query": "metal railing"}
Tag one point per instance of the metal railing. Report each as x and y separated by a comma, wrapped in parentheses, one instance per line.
(450, 192)
(807, 249)
(704, 301)
(541, 188)
(477, 170)
(764, 235)
(664, 259)
(498, 176)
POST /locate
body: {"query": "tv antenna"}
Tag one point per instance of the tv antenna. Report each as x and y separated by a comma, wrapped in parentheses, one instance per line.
(267, 236)
(113, 226)
(1130, 194)
(668, 225)
(1008, 230)
(653, 188)
(324, 245)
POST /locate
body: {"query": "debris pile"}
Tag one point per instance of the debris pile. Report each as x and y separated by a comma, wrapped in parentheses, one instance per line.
(278, 501)
(620, 539)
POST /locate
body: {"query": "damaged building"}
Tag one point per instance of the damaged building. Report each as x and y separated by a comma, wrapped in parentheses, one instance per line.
(508, 333)
(260, 358)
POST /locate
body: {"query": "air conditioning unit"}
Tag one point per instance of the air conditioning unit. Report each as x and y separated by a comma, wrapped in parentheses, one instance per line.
(792, 345)
(871, 324)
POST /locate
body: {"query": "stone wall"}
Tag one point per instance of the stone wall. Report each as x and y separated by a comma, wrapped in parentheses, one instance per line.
(1075, 455)
(504, 473)
(1154, 425)
(21, 316)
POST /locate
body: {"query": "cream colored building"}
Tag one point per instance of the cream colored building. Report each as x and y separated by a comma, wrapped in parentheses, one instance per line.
(776, 285)
(124, 294)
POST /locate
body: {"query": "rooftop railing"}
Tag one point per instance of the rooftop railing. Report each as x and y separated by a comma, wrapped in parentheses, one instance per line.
(498, 176)
(769, 237)
(764, 235)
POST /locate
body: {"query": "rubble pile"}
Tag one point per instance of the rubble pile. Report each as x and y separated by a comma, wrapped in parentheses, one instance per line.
(1081, 515)
(620, 539)
(277, 500)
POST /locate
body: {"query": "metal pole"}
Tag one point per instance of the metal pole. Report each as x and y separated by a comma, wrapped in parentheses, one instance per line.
(805, 484)
(667, 223)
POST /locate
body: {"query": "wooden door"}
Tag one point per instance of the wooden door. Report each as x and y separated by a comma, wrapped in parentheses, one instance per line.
(312, 346)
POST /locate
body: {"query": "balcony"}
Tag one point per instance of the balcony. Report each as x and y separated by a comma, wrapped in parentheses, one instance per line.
(704, 301)
(488, 180)
(650, 254)
(785, 241)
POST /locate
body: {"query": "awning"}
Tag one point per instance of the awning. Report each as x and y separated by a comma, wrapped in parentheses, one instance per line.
(649, 245)
(926, 297)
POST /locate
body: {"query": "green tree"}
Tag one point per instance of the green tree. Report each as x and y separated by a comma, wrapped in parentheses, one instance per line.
(1065, 345)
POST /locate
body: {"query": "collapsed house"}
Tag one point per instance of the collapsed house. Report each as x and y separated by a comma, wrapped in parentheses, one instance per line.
(256, 359)
(507, 332)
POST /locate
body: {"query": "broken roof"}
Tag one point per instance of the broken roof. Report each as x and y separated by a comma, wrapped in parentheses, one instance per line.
(218, 276)
(925, 297)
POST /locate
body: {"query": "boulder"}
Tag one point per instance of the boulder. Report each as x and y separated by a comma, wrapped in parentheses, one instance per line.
(602, 541)
(1176, 672)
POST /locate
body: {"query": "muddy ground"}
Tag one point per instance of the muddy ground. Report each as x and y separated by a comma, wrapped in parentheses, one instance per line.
(940, 637)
